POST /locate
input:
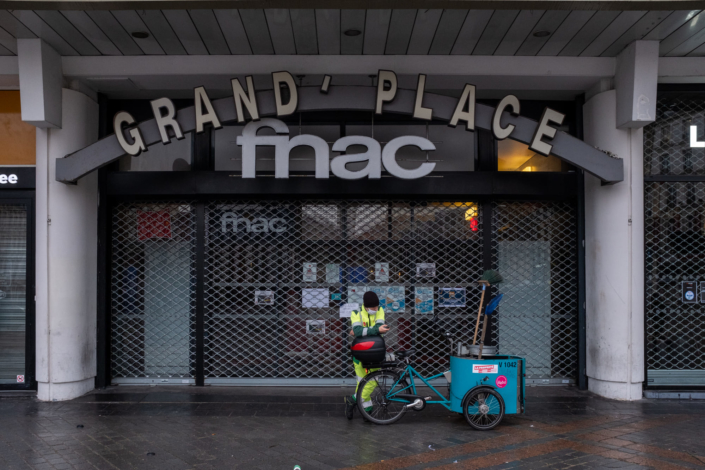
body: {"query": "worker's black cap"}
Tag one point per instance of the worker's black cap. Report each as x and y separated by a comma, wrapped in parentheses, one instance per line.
(370, 299)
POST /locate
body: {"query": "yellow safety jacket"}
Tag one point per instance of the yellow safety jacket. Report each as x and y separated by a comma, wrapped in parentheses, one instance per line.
(366, 324)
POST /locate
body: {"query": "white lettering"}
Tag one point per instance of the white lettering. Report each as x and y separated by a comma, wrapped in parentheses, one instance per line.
(384, 78)
(256, 225)
(500, 132)
(390, 152)
(3, 179)
(166, 120)
(200, 99)
(694, 142)
(372, 156)
(285, 78)
(12, 179)
(419, 111)
(247, 99)
(543, 129)
(137, 146)
(467, 100)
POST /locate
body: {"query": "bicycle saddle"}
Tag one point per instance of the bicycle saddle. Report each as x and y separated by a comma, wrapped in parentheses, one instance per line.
(404, 353)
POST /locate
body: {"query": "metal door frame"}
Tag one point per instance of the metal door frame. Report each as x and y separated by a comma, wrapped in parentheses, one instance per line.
(26, 198)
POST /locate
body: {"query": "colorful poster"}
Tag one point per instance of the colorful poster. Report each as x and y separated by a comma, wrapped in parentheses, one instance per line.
(264, 297)
(332, 273)
(355, 294)
(424, 300)
(310, 270)
(315, 327)
(382, 272)
(451, 297)
(347, 309)
(314, 298)
(395, 299)
(381, 294)
(425, 270)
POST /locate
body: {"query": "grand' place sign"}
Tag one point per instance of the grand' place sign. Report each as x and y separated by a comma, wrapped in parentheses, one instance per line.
(375, 155)
(262, 108)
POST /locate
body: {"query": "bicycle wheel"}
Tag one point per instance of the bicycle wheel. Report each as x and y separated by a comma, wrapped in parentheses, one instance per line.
(483, 408)
(379, 408)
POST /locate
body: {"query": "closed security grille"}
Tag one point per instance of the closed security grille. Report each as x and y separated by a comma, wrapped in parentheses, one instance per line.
(675, 253)
(153, 291)
(535, 251)
(275, 274)
(675, 240)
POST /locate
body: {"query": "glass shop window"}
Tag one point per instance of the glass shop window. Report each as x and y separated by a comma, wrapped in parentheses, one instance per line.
(175, 156)
(516, 156)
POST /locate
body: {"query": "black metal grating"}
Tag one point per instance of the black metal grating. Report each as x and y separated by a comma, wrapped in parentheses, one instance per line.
(152, 294)
(675, 252)
(667, 149)
(270, 250)
(535, 251)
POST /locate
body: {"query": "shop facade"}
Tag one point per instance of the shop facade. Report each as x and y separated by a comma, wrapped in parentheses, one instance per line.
(215, 187)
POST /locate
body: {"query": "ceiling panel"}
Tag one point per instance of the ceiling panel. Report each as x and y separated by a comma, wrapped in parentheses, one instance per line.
(67, 31)
(42, 30)
(473, 27)
(520, 29)
(497, 27)
(565, 32)
(400, 28)
(640, 29)
(699, 52)
(352, 20)
(588, 33)
(679, 36)
(279, 22)
(91, 31)
(13, 26)
(5, 51)
(114, 30)
(425, 27)
(303, 21)
(210, 32)
(624, 21)
(674, 21)
(549, 22)
(448, 29)
(8, 41)
(162, 31)
(186, 31)
(328, 31)
(376, 28)
(233, 30)
(689, 45)
(257, 31)
(131, 21)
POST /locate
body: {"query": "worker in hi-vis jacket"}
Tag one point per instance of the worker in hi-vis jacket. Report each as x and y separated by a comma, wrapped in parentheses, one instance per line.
(369, 321)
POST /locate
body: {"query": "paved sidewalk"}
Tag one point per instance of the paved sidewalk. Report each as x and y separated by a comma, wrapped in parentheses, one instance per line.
(277, 428)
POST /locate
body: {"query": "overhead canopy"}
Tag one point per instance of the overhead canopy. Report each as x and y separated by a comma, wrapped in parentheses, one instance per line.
(348, 98)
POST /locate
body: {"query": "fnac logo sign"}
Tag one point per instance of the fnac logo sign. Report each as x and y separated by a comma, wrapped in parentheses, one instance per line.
(237, 223)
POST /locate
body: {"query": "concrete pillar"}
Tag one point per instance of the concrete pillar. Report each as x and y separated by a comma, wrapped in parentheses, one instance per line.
(66, 257)
(614, 243)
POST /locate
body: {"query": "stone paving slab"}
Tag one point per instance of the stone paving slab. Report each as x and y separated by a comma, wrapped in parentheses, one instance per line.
(277, 428)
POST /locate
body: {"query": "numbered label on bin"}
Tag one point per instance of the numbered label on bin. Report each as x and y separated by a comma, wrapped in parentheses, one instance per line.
(485, 369)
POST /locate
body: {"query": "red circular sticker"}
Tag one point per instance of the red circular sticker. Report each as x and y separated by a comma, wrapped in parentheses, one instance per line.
(501, 381)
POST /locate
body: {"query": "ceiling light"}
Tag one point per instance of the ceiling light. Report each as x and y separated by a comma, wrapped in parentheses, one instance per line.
(542, 34)
(352, 32)
(140, 35)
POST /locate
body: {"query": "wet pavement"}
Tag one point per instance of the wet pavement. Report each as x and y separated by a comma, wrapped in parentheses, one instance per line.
(277, 428)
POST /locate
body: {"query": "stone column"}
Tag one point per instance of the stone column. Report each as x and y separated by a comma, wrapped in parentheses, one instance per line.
(66, 263)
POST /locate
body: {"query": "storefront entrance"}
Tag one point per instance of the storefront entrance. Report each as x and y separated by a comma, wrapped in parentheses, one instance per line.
(254, 296)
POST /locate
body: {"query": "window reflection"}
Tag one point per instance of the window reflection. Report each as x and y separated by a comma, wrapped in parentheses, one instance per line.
(516, 156)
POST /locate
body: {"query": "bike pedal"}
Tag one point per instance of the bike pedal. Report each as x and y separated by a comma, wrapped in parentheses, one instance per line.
(427, 398)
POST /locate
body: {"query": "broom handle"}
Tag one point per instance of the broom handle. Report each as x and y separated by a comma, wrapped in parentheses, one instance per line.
(482, 341)
(479, 312)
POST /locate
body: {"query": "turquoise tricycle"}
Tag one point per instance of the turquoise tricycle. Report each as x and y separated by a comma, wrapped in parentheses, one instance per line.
(482, 388)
